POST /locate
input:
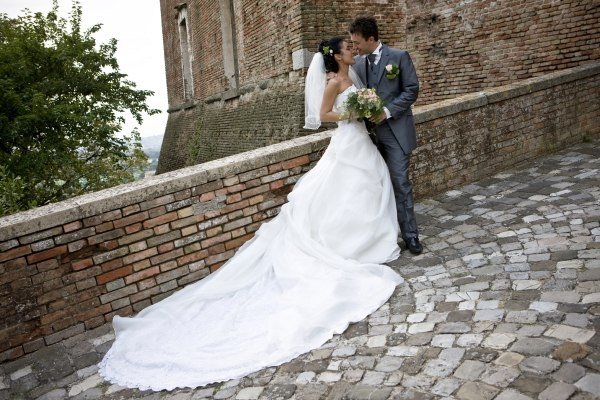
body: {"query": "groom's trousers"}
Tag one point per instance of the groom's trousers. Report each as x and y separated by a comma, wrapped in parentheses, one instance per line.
(398, 164)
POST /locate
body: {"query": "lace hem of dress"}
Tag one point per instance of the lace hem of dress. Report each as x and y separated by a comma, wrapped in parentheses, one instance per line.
(239, 372)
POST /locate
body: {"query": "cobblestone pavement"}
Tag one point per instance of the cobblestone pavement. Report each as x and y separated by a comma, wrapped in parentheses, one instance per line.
(503, 304)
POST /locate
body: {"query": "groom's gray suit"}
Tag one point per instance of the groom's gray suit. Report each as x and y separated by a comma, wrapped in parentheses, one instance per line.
(396, 136)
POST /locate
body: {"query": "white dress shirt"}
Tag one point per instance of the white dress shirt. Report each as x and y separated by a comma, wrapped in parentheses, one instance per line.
(377, 53)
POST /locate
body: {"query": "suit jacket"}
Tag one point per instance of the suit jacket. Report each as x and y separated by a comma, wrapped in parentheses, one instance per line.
(398, 93)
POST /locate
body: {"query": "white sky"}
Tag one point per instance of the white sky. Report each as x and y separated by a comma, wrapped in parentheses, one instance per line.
(136, 24)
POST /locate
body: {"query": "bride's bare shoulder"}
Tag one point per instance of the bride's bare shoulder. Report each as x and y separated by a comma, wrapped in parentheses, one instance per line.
(333, 86)
(334, 81)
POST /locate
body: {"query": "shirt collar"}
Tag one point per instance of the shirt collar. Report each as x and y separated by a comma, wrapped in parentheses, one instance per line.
(377, 51)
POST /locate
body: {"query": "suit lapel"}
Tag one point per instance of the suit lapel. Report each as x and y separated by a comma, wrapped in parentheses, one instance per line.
(383, 61)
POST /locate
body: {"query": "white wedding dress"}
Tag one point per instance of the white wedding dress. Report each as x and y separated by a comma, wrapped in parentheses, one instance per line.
(306, 275)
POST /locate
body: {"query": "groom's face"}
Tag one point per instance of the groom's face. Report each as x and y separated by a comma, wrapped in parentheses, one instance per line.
(361, 45)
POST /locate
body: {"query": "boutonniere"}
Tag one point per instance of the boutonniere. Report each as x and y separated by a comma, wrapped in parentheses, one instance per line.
(391, 71)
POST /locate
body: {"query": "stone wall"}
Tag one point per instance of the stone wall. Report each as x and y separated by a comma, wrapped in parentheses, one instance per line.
(72, 266)
(457, 46)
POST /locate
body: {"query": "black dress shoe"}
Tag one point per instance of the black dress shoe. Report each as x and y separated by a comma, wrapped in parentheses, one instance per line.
(413, 245)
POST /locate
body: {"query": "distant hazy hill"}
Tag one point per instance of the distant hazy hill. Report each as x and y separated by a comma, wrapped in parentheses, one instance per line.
(152, 142)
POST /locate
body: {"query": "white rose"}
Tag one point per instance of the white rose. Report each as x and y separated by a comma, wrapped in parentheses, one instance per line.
(389, 67)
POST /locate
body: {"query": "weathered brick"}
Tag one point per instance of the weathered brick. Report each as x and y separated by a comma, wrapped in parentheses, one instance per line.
(44, 265)
(207, 187)
(77, 245)
(214, 231)
(34, 237)
(219, 257)
(15, 253)
(182, 194)
(157, 211)
(106, 236)
(109, 255)
(111, 215)
(236, 243)
(181, 204)
(136, 237)
(277, 185)
(189, 230)
(76, 235)
(81, 264)
(44, 255)
(231, 180)
(137, 266)
(206, 197)
(256, 199)
(234, 198)
(64, 291)
(112, 264)
(165, 247)
(294, 162)
(237, 224)
(135, 257)
(215, 240)
(163, 219)
(189, 239)
(115, 274)
(107, 226)
(141, 275)
(42, 245)
(72, 226)
(167, 237)
(185, 212)
(190, 248)
(234, 207)
(192, 257)
(254, 191)
(279, 176)
(145, 293)
(131, 219)
(132, 209)
(129, 229)
(172, 274)
(139, 246)
(256, 173)
(188, 221)
(117, 294)
(161, 258)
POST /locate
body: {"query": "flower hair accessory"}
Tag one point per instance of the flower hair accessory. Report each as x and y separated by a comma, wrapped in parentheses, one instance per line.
(391, 71)
(327, 51)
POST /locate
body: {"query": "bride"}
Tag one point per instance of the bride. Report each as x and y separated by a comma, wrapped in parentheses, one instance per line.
(306, 274)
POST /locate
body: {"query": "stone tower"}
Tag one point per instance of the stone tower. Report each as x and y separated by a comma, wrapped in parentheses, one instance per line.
(235, 68)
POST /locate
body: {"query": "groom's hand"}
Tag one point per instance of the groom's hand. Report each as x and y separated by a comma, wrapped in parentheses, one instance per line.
(377, 119)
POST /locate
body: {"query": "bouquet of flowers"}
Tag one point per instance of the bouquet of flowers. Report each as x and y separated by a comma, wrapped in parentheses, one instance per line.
(364, 103)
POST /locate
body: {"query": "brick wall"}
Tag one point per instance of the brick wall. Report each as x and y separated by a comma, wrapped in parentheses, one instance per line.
(72, 266)
(473, 136)
(457, 46)
(465, 46)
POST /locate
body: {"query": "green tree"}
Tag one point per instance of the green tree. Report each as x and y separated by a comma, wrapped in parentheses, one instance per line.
(62, 106)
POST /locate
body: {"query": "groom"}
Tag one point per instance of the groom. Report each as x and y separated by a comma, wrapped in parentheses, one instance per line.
(392, 74)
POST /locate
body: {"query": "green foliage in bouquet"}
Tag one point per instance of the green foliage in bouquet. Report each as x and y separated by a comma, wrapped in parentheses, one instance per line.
(364, 103)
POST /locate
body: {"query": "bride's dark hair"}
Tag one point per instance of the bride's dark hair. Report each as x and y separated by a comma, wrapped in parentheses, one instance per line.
(334, 46)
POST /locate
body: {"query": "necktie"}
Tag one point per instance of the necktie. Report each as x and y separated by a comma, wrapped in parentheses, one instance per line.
(371, 57)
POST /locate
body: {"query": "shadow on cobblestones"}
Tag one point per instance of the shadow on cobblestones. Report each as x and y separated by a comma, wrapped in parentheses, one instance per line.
(503, 304)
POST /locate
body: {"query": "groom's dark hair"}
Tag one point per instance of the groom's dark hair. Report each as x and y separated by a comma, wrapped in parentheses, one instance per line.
(366, 27)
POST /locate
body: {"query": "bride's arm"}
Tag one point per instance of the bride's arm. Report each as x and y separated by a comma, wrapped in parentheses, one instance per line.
(331, 91)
